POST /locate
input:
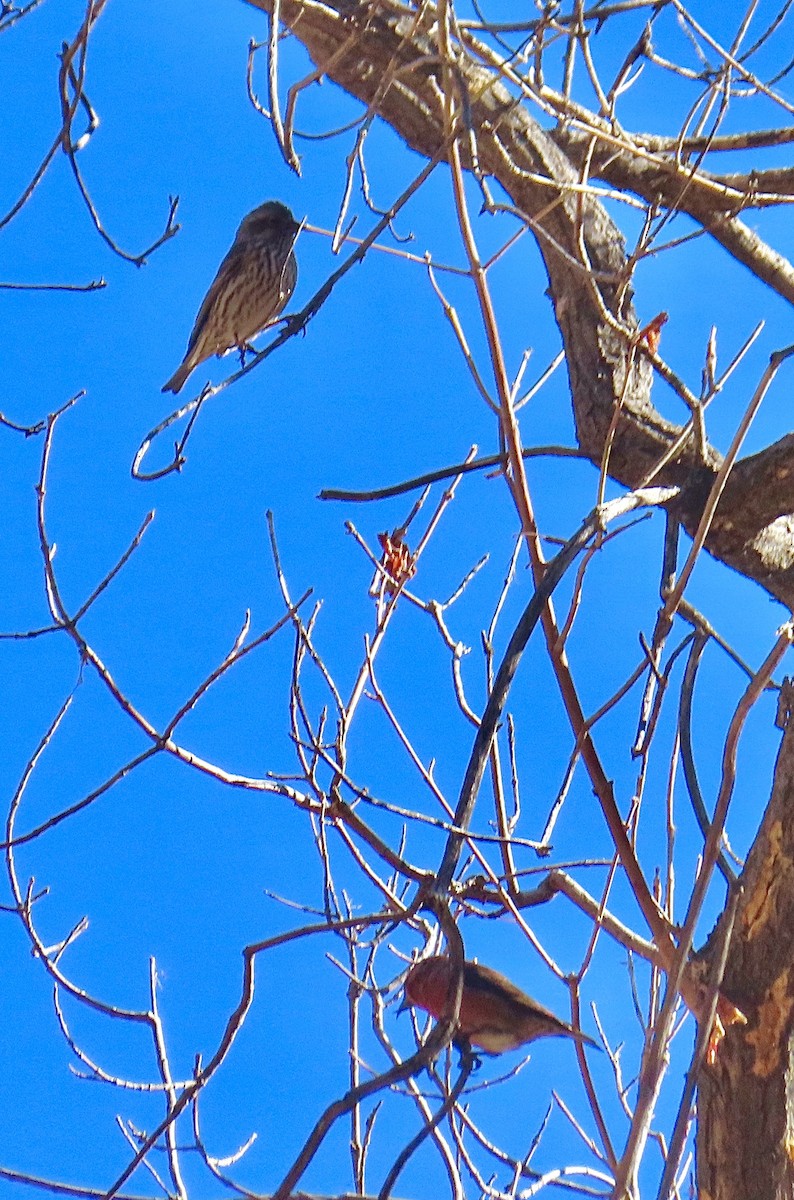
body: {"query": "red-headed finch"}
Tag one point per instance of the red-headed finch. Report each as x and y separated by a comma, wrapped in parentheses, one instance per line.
(494, 1014)
(254, 282)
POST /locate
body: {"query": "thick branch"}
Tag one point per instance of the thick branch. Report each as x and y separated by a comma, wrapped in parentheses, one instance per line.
(713, 201)
(583, 251)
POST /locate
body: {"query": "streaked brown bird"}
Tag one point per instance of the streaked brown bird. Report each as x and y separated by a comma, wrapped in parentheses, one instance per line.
(495, 1015)
(254, 282)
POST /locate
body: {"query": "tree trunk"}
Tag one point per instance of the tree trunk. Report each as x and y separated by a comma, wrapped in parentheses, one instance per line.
(745, 1133)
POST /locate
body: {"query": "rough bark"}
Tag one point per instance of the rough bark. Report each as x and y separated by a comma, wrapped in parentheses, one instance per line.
(745, 1137)
(584, 254)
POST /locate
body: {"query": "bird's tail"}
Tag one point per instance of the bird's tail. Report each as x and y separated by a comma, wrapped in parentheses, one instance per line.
(582, 1037)
(178, 379)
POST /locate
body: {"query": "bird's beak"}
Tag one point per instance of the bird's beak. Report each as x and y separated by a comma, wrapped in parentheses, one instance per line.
(406, 1004)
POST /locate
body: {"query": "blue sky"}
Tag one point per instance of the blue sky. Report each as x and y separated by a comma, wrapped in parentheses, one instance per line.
(170, 864)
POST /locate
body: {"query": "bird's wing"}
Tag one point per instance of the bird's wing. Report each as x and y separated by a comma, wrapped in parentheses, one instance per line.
(503, 996)
(497, 986)
(226, 267)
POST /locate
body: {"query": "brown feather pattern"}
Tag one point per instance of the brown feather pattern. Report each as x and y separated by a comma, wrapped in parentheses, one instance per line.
(495, 1015)
(253, 283)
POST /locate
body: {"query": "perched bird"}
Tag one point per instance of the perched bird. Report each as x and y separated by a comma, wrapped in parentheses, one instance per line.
(494, 1014)
(254, 282)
